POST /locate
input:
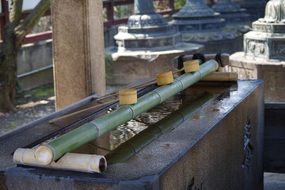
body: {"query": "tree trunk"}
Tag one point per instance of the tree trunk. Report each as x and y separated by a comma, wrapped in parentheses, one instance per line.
(14, 34)
(8, 70)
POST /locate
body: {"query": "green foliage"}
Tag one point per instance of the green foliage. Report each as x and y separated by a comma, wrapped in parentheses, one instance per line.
(179, 4)
(35, 94)
(43, 92)
(14, 32)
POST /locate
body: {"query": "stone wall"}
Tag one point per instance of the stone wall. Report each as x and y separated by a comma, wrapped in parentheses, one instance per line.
(35, 65)
(35, 61)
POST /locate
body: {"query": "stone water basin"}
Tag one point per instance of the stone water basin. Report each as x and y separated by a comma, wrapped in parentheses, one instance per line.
(217, 146)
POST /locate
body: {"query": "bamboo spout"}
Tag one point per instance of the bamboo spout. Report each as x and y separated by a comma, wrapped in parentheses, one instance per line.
(26, 157)
(70, 161)
(94, 129)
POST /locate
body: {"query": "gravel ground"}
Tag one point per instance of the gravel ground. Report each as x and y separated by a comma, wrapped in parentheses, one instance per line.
(25, 114)
(32, 105)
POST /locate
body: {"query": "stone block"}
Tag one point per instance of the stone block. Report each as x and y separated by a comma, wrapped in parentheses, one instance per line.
(34, 56)
(134, 66)
(264, 45)
(34, 66)
(274, 138)
(78, 50)
(36, 78)
(272, 72)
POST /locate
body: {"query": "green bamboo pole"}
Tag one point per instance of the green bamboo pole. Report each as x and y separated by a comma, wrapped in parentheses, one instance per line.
(138, 142)
(94, 129)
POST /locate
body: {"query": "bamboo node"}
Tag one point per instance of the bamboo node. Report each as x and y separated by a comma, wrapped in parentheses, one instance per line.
(44, 155)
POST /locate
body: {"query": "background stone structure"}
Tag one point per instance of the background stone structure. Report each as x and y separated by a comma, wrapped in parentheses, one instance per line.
(78, 50)
(264, 56)
(198, 23)
(145, 46)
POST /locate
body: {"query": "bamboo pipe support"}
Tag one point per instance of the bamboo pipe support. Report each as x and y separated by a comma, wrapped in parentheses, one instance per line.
(128, 96)
(165, 78)
(191, 66)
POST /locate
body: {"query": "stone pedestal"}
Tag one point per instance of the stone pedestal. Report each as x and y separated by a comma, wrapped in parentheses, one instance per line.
(145, 46)
(128, 67)
(199, 23)
(264, 58)
(78, 50)
(266, 41)
(272, 72)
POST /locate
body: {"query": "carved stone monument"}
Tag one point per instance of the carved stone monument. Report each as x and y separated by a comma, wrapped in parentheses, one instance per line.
(200, 24)
(254, 7)
(236, 17)
(264, 52)
(145, 46)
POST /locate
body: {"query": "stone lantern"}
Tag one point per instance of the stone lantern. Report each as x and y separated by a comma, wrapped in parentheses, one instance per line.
(201, 24)
(145, 46)
(146, 29)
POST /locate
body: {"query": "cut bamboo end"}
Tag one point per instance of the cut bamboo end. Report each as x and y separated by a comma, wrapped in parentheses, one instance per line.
(221, 76)
(128, 96)
(82, 163)
(165, 78)
(70, 161)
(25, 157)
(191, 66)
(44, 155)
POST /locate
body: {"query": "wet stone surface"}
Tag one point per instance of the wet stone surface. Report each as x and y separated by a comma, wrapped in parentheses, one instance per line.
(133, 127)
